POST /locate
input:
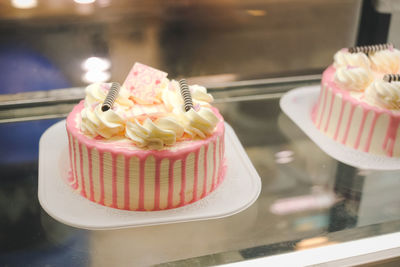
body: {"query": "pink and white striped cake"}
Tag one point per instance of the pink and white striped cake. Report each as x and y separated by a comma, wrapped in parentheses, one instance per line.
(145, 156)
(356, 106)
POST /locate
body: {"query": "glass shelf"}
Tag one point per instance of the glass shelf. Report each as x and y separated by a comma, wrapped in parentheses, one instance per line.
(307, 200)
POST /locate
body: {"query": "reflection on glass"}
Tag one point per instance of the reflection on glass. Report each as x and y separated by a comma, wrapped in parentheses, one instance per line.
(96, 70)
(96, 76)
(24, 4)
(96, 64)
(84, 1)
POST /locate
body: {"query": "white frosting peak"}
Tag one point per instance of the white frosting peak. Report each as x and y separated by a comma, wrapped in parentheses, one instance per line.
(96, 93)
(197, 123)
(353, 79)
(386, 61)
(95, 121)
(384, 94)
(154, 135)
(343, 59)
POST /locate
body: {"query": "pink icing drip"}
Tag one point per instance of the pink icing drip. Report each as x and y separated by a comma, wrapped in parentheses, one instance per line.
(371, 131)
(390, 137)
(323, 111)
(221, 156)
(76, 182)
(348, 124)
(360, 130)
(214, 165)
(101, 174)
(141, 184)
(183, 183)
(157, 186)
(114, 181)
(315, 108)
(196, 174)
(70, 177)
(90, 175)
(126, 184)
(330, 113)
(170, 183)
(205, 172)
(342, 106)
(83, 191)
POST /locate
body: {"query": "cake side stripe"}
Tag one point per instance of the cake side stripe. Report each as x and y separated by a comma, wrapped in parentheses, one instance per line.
(390, 137)
(371, 131)
(157, 185)
(76, 182)
(221, 155)
(114, 180)
(91, 189)
(214, 178)
(101, 164)
(141, 183)
(360, 129)
(126, 184)
(314, 113)
(339, 124)
(170, 183)
(134, 180)
(348, 124)
(330, 112)
(183, 183)
(205, 172)
(70, 176)
(196, 174)
(323, 107)
(83, 189)
(318, 111)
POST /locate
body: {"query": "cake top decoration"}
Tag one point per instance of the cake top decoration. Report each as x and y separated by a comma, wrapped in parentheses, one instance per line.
(149, 110)
(187, 97)
(111, 96)
(144, 83)
(367, 49)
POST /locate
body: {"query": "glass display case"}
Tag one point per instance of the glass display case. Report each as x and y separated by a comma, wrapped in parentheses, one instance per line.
(312, 208)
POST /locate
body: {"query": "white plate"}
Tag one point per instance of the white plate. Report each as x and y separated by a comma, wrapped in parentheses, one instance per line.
(240, 189)
(297, 105)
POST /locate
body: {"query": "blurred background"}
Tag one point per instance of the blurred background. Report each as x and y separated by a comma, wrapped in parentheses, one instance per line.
(82, 41)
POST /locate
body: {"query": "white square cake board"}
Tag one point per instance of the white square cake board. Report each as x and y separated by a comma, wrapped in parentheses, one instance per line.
(297, 105)
(240, 189)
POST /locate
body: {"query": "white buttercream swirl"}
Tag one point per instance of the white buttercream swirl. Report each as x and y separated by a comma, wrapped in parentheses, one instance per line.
(97, 122)
(384, 94)
(153, 131)
(172, 97)
(154, 135)
(353, 79)
(96, 93)
(197, 123)
(386, 61)
(343, 58)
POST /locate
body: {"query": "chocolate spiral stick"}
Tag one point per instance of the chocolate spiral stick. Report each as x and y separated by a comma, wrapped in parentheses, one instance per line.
(111, 96)
(187, 97)
(367, 49)
(391, 77)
